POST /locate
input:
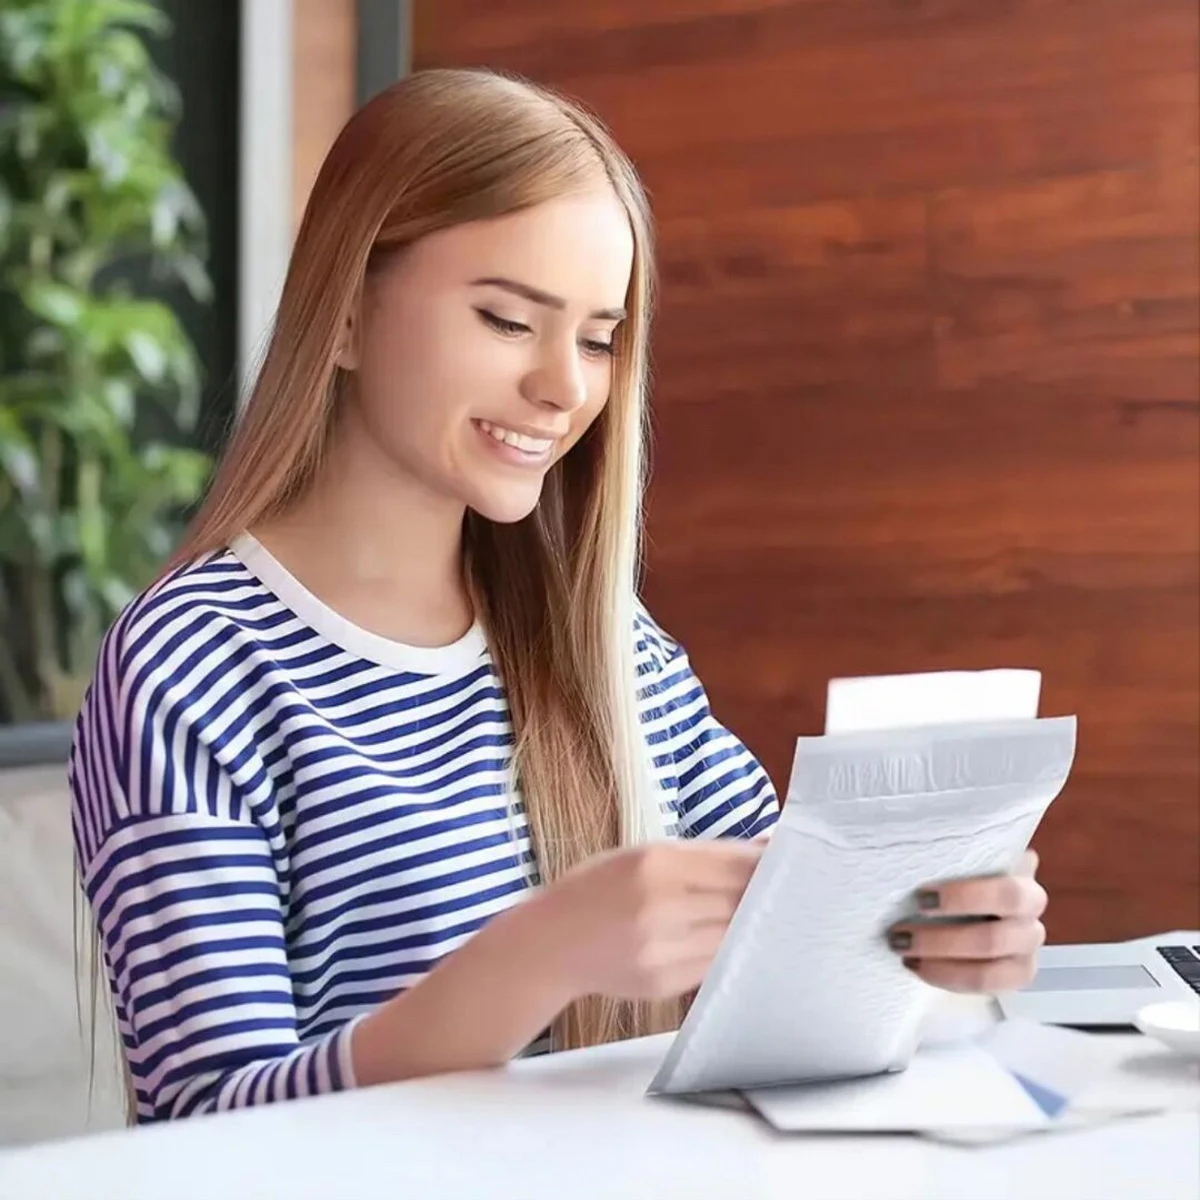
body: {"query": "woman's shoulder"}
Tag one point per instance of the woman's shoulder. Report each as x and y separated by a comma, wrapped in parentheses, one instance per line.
(205, 599)
(654, 647)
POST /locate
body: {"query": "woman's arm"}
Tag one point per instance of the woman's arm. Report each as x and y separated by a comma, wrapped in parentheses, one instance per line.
(723, 789)
(188, 908)
(479, 1007)
(177, 837)
(490, 999)
(641, 923)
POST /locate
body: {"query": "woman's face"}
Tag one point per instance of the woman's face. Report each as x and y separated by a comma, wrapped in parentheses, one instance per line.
(482, 353)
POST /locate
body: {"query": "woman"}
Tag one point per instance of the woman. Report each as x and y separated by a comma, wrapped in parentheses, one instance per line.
(397, 679)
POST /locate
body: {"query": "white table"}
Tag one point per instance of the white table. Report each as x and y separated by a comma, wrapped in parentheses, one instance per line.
(578, 1125)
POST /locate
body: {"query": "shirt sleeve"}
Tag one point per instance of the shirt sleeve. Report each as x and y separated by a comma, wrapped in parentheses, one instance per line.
(175, 852)
(723, 789)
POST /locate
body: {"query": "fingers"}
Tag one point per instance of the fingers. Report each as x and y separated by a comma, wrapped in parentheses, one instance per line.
(986, 896)
(986, 940)
(977, 956)
(721, 865)
(694, 910)
(684, 977)
(669, 966)
(992, 975)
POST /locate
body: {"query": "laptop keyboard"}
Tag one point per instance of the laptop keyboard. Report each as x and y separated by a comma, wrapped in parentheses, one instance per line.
(1185, 962)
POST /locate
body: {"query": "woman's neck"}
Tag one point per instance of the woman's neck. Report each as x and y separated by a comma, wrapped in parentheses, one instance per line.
(377, 547)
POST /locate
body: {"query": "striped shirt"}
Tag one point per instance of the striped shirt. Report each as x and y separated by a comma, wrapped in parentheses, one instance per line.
(282, 820)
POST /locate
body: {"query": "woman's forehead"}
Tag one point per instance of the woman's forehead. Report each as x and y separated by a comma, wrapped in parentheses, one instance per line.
(578, 248)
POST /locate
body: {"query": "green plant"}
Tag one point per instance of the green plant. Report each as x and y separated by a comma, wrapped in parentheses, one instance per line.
(99, 384)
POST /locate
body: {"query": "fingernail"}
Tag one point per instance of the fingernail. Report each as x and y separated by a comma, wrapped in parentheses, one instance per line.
(900, 939)
(927, 900)
(911, 963)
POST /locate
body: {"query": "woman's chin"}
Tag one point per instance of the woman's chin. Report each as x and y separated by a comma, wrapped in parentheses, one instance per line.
(506, 505)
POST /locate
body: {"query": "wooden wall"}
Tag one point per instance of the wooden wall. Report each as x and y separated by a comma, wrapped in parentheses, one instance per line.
(926, 368)
(324, 42)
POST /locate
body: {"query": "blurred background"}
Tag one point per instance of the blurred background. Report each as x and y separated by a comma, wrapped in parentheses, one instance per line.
(927, 371)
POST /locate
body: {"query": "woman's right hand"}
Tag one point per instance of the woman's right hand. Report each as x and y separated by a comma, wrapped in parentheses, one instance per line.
(636, 924)
(644, 923)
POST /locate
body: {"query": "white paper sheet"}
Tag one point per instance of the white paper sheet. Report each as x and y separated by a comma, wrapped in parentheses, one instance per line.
(930, 698)
(804, 986)
(949, 1087)
(1082, 1079)
(1016, 1077)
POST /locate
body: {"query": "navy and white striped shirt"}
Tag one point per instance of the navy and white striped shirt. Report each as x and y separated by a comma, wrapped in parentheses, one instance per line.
(282, 820)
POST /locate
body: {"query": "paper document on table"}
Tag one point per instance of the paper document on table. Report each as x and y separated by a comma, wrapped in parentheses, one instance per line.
(950, 1087)
(804, 986)
(1018, 1077)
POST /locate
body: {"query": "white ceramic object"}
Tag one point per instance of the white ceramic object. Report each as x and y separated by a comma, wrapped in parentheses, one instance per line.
(1175, 1023)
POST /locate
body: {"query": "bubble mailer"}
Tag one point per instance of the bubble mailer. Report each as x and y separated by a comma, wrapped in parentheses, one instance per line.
(804, 986)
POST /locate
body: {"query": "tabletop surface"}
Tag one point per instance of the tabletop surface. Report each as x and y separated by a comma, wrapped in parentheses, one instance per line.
(579, 1124)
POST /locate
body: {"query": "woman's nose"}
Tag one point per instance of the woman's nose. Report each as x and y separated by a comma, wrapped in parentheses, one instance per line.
(558, 383)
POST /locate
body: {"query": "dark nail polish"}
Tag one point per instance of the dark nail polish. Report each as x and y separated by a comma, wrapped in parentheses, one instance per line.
(928, 900)
(912, 964)
(900, 939)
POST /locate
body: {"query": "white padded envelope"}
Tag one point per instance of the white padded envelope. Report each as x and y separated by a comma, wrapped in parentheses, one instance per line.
(804, 986)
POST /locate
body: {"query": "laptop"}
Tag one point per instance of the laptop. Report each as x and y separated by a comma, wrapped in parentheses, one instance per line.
(1104, 985)
(1094, 986)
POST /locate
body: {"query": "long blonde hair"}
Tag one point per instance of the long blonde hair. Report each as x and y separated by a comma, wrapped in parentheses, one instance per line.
(555, 592)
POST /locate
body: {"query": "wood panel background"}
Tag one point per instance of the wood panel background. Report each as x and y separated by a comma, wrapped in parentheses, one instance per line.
(324, 45)
(926, 369)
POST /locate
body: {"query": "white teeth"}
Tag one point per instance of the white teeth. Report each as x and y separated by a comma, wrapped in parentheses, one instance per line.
(521, 441)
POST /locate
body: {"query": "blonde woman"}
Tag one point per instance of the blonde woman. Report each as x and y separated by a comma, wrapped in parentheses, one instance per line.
(390, 774)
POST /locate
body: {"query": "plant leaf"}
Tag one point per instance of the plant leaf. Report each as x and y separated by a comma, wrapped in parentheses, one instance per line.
(148, 355)
(18, 457)
(56, 303)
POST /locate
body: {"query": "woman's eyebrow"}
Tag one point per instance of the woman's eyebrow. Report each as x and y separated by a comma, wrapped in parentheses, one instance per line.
(547, 299)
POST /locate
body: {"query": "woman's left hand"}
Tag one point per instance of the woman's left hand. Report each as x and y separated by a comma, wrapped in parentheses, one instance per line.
(996, 955)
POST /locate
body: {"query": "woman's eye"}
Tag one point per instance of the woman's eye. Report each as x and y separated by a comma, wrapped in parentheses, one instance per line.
(591, 346)
(500, 324)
